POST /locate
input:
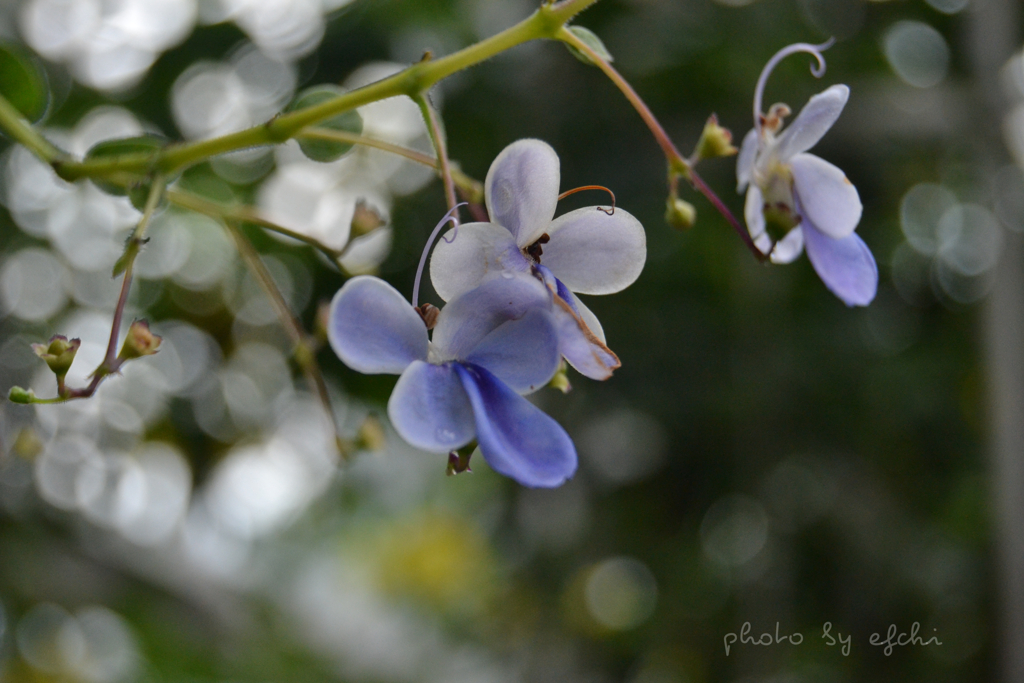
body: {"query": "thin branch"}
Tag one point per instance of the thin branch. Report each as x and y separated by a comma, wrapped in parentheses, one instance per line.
(675, 159)
(305, 352)
(471, 188)
(437, 138)
(678, 165)
(546, 22)
(246, 214)
(15, 125)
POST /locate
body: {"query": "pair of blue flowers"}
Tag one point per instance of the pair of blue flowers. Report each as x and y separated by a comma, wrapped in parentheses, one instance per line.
(512, 315)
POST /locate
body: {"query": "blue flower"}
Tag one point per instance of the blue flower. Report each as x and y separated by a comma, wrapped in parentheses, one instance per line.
(808, 199)
(589, 250)
(491, 344)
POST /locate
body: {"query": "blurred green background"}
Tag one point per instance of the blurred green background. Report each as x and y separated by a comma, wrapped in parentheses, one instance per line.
(764, 455)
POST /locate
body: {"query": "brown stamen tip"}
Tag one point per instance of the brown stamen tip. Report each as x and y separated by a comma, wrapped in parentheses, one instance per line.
(591, 187)
(535, 251)
(428, 313)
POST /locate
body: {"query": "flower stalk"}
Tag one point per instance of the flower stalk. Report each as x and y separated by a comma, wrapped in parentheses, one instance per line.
(304, 349)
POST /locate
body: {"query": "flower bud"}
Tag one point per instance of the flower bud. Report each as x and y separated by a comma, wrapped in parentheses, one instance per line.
(371, 435)
(458, 463)
(19, 395)
(680, 214)
(58, 353)
(365, 219)
(715, 141)
(139, 342)
(560, 380)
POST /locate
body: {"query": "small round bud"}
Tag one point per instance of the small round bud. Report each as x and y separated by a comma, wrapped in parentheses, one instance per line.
(19, 395)
(139, 342)
(58, 353)
(680, 214)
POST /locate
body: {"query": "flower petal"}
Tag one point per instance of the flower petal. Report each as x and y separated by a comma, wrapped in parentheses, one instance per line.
(753, 213)
(468, 253)
(813, 121)
(470, 317)
(594, 253)
(745, 160)
(846, 266)
(373, 329)
(828, 199)
(582, 348)
(516, 438)
(521, 189)
(430, 409)
(521, 353)
(588, 318)
(789, 248)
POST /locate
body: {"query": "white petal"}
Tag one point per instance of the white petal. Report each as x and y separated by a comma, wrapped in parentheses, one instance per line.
(521, 189)
(594, 253)
(464, 256)
(827, 198)
(753, 212)
(581, 346)
(789, 247)
(373, 329)
(813, 121)
(745, 160)
(588, 318)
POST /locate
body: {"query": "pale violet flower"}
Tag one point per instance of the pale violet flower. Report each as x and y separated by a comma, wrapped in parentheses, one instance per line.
(804, 200)
(491, 344)
(593, 250)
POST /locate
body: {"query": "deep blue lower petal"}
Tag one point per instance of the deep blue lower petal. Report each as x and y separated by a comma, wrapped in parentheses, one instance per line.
(516, 438)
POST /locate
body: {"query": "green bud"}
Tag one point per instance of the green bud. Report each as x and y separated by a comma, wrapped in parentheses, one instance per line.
(560, 380)
(680, 214)
(139, 342)
(592, 41)
(371, 435)
(715, 141)
(348, 122)
(58, 353)
(19, 395)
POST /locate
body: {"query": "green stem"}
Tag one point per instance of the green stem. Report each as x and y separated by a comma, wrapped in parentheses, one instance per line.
(678, 166)
(437, 138)
(546, 22)
(675, 159)
(246, 214)
(305, 352)
(15, 125)
(471, 188)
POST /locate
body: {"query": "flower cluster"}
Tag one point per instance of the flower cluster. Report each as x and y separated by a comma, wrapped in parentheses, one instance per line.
(508, 321)
(802, 199)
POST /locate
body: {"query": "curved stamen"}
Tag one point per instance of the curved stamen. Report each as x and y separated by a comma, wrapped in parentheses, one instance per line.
(450, 216)
(816, 71)
(591, 187)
